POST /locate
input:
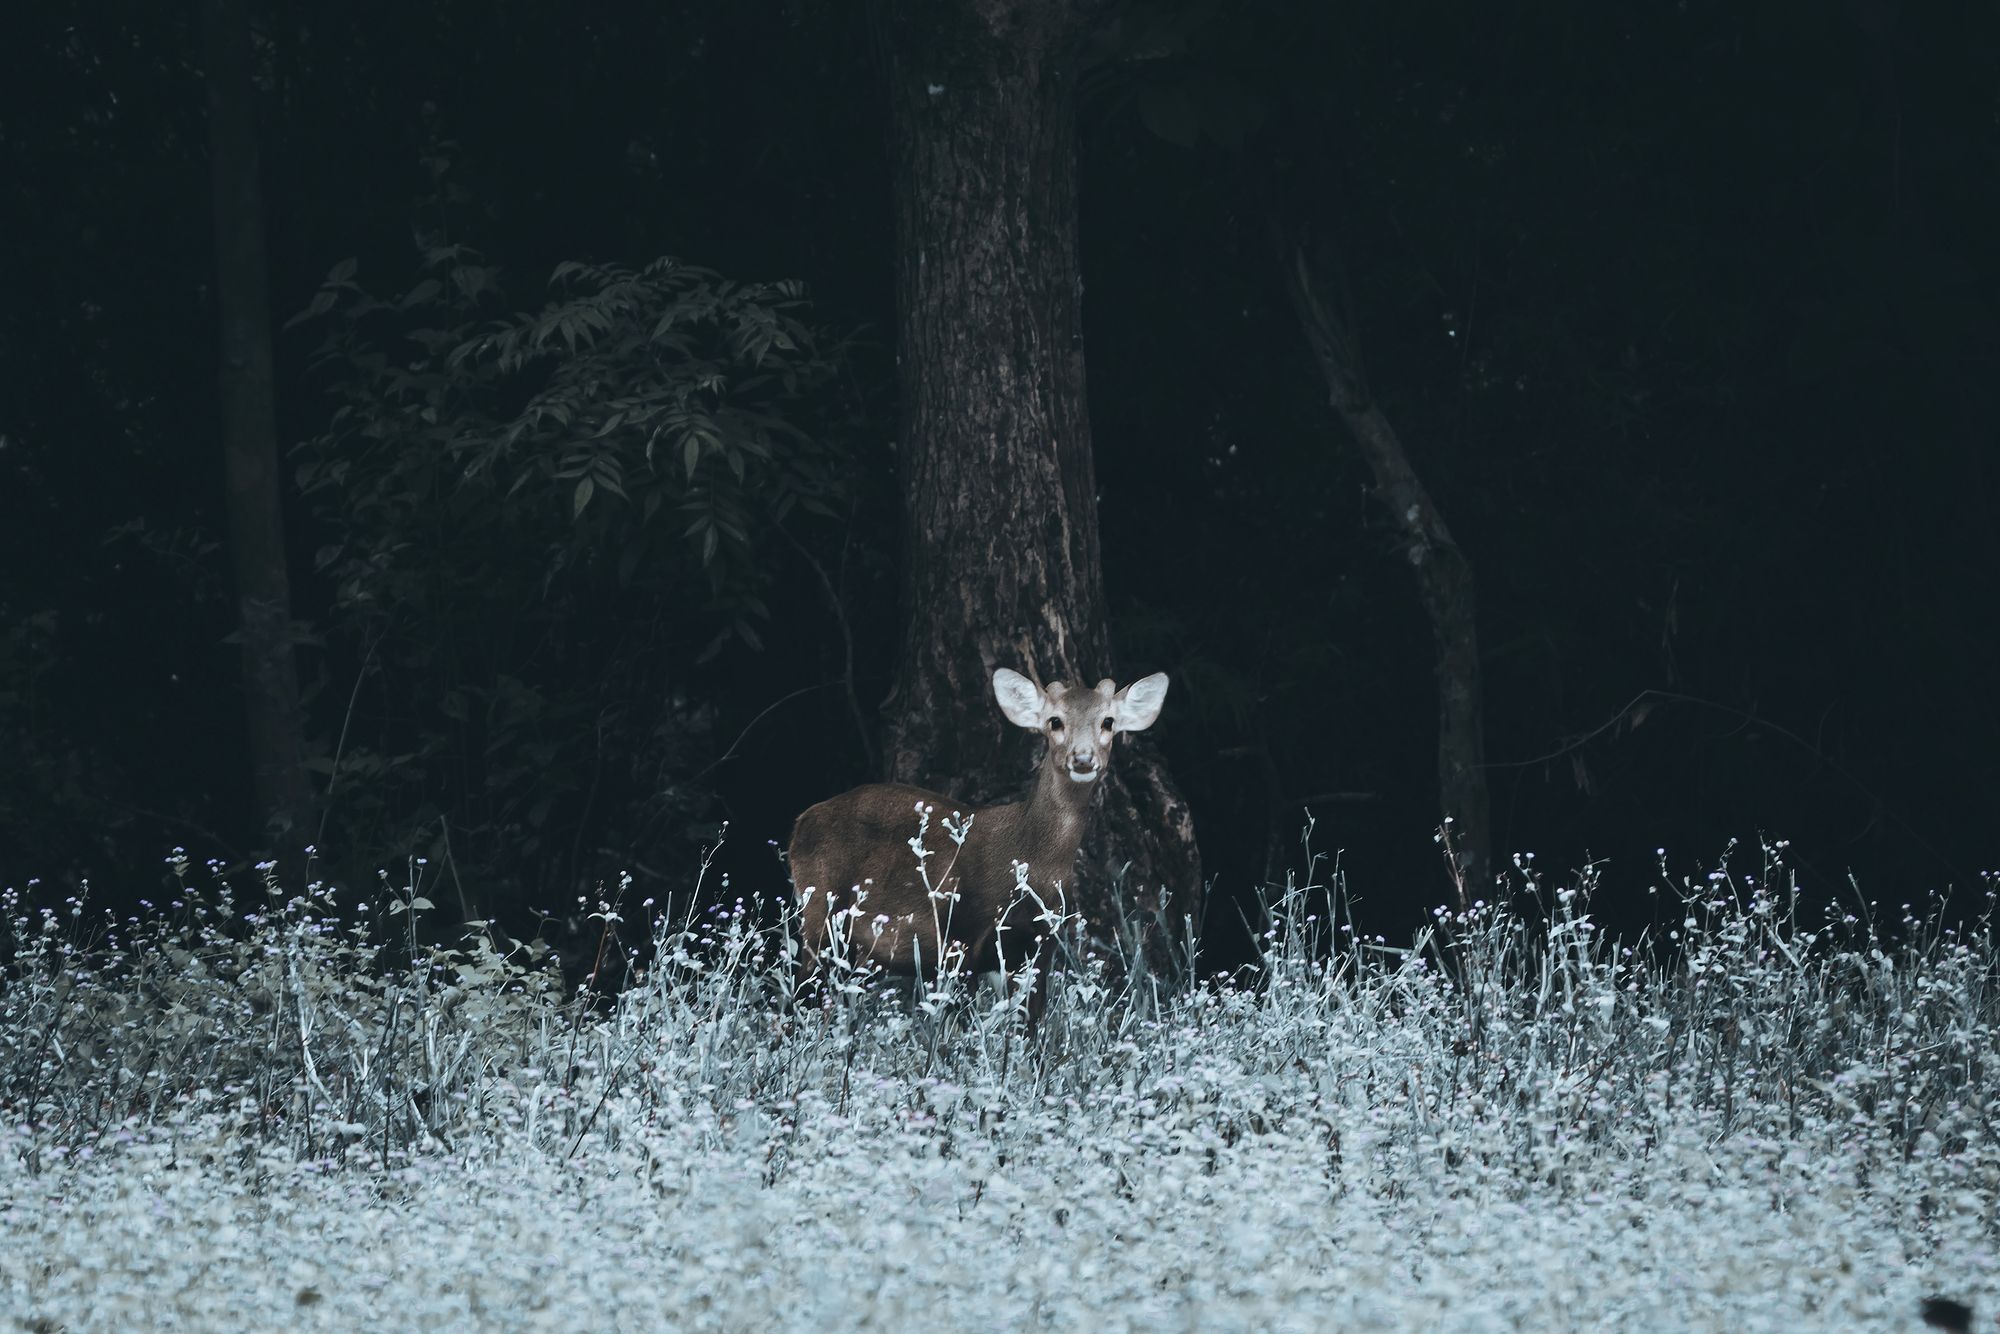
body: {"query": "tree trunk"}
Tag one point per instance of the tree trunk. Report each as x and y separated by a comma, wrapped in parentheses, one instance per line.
(1001, 561)
(282, 786)
(1444, 575)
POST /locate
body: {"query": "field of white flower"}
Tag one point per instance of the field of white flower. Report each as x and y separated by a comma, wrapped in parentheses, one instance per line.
(227, 1116)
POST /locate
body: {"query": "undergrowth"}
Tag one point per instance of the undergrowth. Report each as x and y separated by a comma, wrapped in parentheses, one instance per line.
(1511, 1056)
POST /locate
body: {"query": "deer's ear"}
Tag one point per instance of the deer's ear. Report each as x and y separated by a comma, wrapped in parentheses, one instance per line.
(1020, 699)
(1139, 703)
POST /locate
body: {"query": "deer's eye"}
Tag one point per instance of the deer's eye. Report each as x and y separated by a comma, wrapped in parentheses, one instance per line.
(1055, 724)
(1107, 724)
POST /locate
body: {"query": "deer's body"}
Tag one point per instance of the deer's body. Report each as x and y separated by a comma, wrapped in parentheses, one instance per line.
(852, 852)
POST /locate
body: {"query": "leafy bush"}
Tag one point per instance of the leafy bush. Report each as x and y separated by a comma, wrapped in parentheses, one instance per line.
(241, 1017)
(521, 510)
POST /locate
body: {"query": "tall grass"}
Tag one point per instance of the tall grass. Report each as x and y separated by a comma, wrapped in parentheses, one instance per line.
(1510, 1062)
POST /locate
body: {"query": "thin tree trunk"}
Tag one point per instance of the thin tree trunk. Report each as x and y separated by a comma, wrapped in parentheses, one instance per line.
(1001, 560)
(1444, 575)
(276, 734)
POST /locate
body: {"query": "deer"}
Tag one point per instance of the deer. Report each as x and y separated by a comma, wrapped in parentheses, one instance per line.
(855, 870)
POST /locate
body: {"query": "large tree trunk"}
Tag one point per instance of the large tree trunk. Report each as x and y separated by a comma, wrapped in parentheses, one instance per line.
(1444, 575)
(1001, 563)
(282, 787)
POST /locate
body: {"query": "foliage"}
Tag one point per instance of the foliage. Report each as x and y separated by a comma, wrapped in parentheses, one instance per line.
(262, 1008)
(539, 525)
(1751, 1122)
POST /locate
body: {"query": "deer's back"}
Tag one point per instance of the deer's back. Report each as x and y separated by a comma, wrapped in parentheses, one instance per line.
(862, 838)
(863, 835)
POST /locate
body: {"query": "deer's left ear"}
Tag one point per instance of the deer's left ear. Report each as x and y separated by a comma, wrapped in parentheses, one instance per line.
(1019, 699)
(1138, 704)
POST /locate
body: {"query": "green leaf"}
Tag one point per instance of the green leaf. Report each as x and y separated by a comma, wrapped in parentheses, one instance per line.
(691, 453)
(321, 303)
(584, 490)
(422, 294)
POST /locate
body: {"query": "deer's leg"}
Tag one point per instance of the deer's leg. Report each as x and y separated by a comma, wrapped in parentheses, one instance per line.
(815, 921)
(1011, 945)
(1038, 990)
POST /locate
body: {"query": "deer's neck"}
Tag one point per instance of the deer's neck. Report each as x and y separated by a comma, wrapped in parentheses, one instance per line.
(1053, 818)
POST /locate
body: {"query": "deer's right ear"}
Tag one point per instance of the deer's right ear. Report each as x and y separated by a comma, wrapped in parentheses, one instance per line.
(1139, 703)
(1020, 699)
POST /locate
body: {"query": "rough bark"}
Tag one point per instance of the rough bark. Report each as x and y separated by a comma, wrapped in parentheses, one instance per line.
(276, 735)
(1001, 559)
(1444, 574)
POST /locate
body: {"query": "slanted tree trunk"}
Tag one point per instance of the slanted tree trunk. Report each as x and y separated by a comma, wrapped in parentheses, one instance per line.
(1001, 564)
(276, 732)
(1444, 575)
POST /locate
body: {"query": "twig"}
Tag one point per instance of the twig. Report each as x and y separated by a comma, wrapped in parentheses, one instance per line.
(1749, 719)
(730, 754)
(340, 746)
(839, 610)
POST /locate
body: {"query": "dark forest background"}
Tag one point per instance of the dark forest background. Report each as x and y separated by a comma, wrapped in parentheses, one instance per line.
(1684, 314)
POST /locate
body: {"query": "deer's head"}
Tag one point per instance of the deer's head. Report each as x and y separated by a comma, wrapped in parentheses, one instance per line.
(1079, 724)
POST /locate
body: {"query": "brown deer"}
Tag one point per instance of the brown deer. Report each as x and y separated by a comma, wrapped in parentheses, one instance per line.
(854, 869)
